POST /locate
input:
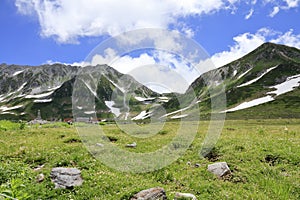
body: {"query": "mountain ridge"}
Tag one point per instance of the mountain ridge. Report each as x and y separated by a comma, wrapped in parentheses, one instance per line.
(260, 79)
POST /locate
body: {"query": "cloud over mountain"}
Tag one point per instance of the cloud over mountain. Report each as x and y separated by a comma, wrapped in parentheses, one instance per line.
(67, 21)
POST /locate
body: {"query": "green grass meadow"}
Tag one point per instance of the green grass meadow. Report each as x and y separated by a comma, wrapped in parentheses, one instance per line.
(263, 155)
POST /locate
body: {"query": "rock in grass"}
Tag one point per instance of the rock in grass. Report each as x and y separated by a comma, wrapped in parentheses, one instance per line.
(66, 177)
(157, 193)
(179, 195)
(220, 169)
(100, 145)
(133, 145)
(40, 178)
(38, 168)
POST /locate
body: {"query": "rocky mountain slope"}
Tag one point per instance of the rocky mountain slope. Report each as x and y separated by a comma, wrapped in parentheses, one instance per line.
(263, 84)
(49, 88)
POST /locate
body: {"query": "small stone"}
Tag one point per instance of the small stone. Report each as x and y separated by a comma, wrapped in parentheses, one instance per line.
(133, 145)
(189, 163)
(99, 145)
(285, 174)
(38, 168)
(157, 193)
(179, 195)
(197, 165)
(40, 178)
(220, 169)
(66, 177)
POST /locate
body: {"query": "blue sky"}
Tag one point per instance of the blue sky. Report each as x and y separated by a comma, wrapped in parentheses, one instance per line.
(35, 31)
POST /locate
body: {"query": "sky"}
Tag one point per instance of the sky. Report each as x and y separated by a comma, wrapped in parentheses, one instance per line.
(35, 32)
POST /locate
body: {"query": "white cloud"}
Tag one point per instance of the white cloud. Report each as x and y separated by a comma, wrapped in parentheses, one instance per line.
(67, 21)
(126, 64)
(247, 42)
(147, 67)
(282, 5)
(289, 39)
(158, 68)
(253, 2)
(249, 15)
(275, 11)
(292, 3)
(244, 43)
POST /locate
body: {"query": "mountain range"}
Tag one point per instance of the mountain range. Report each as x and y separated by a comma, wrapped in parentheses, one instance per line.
(262, 84)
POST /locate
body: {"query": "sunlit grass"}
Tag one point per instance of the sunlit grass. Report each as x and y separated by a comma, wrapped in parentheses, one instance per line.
(262, 154)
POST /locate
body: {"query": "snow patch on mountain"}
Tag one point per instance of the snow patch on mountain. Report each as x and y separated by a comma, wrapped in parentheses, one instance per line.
(256, 79)
(235, 73)
(38, 96)
(251, 103)
(21, 87)
(243, 74)
(142, 115)
(177, 111)
(54, 88)
(9, 113)
(179, 116)
(282, 88)
(143, 99)
(2, 98)
(5, 98)
(42, 100)
(287, 86)
(116, 85)
(5, 108)
(115, 111)
(89, 87)
(164, 99)
(17, 72)
(89, 112)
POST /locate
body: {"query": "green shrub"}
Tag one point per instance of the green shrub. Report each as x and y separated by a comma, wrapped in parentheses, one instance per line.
(22, 126)
(102, 123)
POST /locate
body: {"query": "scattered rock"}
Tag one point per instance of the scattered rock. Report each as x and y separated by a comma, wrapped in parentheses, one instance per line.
(285, 174)
(189, 163)
(40, 178)
(66, 177)
(38, 168)
(99, 145)
(220, 169)
(133, 145)
(157, 193)
(179, 195)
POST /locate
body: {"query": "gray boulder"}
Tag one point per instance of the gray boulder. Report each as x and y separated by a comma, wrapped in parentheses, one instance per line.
(66, 177)
(157, 193)
(220, 169)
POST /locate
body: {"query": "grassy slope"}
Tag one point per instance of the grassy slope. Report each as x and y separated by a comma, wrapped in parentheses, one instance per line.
(244, 145)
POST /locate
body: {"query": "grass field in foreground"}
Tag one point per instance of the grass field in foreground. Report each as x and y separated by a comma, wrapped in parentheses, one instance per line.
(264, 156)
